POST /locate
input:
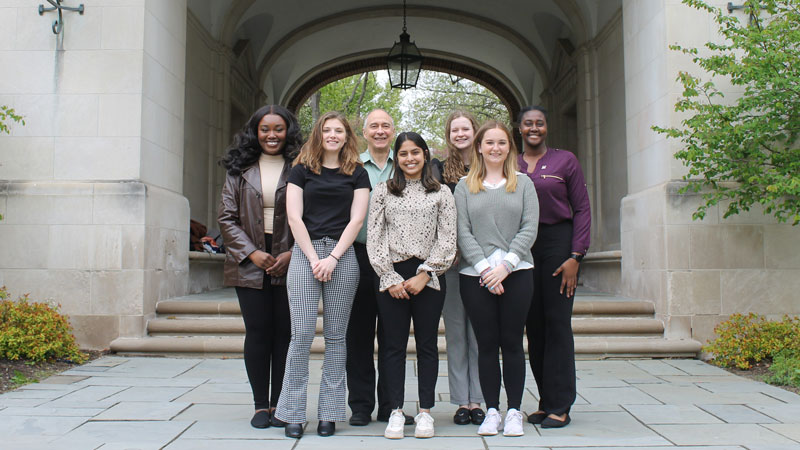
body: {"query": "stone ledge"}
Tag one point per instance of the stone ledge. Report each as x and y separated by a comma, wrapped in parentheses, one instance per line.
(179, 327)
(195, 256)
(604, 307)
(612, 256)
(585, 347)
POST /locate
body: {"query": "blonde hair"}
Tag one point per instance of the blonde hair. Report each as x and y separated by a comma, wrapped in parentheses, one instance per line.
(454, 167)
(477, 171)
(311, 153)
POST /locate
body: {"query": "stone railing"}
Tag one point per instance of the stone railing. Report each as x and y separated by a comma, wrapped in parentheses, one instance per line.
(601, 271)
(205, 271)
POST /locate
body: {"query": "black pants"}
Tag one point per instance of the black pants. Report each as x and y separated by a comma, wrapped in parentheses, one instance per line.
(550, 344)
(425, 308)
(499, 323)
(266, 340)
(361, 343)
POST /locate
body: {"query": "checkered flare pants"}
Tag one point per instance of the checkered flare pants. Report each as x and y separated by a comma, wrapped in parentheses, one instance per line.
(337, 300)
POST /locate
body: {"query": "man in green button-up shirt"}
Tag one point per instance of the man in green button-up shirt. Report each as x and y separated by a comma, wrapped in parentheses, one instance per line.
(377, 159)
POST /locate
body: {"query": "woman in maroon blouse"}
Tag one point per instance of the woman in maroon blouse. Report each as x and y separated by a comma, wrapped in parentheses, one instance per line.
(564, 225)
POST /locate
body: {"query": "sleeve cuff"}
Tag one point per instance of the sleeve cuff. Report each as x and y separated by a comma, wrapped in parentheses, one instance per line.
(246, 251)
(482, 265)
(512, 258)
(433, 283)
(389, 279)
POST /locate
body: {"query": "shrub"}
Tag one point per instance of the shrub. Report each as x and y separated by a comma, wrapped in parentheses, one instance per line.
(785, 369)
(35, 331)
(745, 339)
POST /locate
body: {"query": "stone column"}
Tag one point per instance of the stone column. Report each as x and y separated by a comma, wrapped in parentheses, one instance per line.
(696, 272)
(91, 186)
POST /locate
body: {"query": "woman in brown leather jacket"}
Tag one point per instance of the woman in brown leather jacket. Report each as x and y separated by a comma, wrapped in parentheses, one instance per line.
(258, 242)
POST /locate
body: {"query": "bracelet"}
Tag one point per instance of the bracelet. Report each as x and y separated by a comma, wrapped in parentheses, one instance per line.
(334, 257)
(508, 267)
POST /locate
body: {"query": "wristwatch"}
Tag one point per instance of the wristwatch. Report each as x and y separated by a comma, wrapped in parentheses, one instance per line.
(576, 256)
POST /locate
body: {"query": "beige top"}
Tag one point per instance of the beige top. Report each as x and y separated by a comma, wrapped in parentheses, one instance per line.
(417, 224)
(270, 167)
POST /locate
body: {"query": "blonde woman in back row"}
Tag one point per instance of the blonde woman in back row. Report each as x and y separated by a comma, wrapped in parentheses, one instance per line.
(462, 347)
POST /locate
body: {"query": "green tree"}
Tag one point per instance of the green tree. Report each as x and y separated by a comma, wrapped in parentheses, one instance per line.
(353, 96)
(745, 151)
(437, 94)
(8, 114)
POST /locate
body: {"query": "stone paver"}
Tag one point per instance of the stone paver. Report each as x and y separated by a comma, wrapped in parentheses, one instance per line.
(670, 414)
(182, 403)
(724, 434)
(143, 411)
(737, 414)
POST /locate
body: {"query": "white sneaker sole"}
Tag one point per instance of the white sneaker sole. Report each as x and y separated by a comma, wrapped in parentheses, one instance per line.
(521, 433)
(393, 435)
(487, 433)
(423, 434)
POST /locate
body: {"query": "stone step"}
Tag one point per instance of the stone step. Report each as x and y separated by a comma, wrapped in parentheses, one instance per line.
(583, 306)
(585, 347)
(235, 326)
(210, 324)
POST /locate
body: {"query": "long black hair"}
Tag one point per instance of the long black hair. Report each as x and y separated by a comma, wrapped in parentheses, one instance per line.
(398, 181)
(245, 149)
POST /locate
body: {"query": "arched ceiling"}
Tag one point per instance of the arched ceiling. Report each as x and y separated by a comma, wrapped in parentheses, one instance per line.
(512, 40)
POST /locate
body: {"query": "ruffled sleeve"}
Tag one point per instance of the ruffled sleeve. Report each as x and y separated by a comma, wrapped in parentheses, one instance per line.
(443, 251)
(378, 240)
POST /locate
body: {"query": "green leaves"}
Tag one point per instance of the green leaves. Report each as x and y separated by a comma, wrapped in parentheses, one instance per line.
(745, 151)
(35, 331)
(438, 94)
(7, 114)
(746, 339)
(354, 96)
(785, 369)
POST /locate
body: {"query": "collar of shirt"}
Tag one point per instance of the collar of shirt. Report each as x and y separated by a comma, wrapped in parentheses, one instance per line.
(376, 174)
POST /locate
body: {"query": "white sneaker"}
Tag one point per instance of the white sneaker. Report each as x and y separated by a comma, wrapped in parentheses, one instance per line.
(424, 427)
(394, 430)
(491, 423)
(513, 426)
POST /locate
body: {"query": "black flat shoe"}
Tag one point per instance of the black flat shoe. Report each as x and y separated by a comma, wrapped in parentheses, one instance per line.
(549, 422)
(326, 428)
(275, 422)
(537, 418)
(293, 430)
(477, 415)
(360, 419)
(462, 417)
(260, 419)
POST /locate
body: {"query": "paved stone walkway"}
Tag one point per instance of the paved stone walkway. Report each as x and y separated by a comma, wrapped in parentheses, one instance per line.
(181, 403)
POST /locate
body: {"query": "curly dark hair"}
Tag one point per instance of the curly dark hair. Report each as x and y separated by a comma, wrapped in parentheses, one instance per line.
(245, 149)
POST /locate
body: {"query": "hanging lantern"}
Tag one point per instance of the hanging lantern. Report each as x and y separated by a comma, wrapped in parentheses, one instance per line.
(404, 61)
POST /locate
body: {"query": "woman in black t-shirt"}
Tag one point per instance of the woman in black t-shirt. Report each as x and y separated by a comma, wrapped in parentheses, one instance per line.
(326, 202)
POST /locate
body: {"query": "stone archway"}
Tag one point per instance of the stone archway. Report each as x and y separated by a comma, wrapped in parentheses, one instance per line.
(304, 89)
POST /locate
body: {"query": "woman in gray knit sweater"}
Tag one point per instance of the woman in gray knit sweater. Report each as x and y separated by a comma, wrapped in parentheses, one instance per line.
(498, 215)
